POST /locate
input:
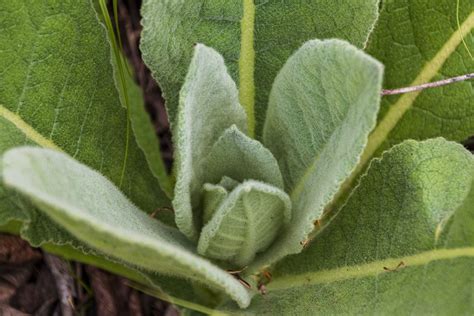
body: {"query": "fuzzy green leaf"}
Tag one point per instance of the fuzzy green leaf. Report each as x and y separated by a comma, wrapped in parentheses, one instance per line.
(323, 105)
(241, 158)
(421, 41)
(208, 106)
(245, 223)
(212, 197)
(412, 210)
(214, 194)
(96, 212)
(255, 37)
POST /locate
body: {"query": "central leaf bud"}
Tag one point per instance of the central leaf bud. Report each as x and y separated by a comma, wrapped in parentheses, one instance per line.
(243, 206)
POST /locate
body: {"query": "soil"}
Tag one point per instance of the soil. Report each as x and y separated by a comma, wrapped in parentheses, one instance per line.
(36, 283)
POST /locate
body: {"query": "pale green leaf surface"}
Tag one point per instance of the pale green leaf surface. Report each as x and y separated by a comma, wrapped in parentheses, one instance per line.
(322, 107)
(245, 223)
(418, 42)
(170, 28)
(281, 27)
(241, 158)
(208, 106)
(96, 212)
(415, 205)
(214, 194)
(212, 197)
(228, 183)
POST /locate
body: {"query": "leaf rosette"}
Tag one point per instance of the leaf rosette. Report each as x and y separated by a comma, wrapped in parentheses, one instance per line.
(256, 165)
(229, 190)
(230, 195)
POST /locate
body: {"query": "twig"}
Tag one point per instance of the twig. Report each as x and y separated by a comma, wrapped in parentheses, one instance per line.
(105, 291)
(64, 283)
(428, 85)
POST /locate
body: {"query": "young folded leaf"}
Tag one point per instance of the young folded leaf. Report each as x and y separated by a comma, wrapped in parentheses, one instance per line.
(208, 105)
(245, 223)
(323, 105)
(241, 158)
(95, 211)
(213, 195)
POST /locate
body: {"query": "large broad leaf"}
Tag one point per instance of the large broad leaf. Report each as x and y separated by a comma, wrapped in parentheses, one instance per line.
(414, 210)
(62, 95)
(323, 105)
(254, 36)
(418, 42)
(208, 106)
(96, 212)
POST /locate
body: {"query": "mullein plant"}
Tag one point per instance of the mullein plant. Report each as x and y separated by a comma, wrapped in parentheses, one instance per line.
(296, 188)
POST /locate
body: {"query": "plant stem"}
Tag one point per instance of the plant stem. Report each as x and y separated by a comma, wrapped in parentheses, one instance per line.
(428, 85)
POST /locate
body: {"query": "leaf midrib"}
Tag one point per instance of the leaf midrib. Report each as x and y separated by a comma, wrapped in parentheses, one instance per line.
(247, 64)
(366, 270)
(27, 129)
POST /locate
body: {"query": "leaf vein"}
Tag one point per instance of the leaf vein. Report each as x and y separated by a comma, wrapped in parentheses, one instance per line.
(27, 129)
(368, 269)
